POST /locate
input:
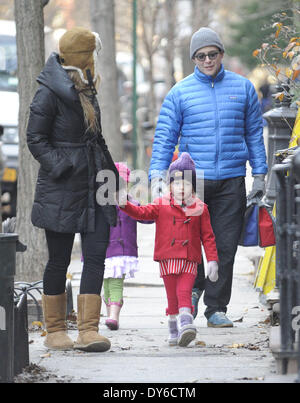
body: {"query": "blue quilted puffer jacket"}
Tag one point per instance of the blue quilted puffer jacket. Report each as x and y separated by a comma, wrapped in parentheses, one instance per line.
(217, 121)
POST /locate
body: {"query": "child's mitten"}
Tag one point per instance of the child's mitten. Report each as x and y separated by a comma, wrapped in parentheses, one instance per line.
(212, 270)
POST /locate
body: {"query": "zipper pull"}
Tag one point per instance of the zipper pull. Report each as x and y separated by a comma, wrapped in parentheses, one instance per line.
(212, 84)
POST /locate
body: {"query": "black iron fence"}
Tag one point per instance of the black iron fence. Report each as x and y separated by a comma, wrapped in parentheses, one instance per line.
(14, 296)
(280, 121)
(287, 177)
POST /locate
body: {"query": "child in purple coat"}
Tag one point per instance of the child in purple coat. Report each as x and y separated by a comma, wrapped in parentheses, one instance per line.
(121, 259)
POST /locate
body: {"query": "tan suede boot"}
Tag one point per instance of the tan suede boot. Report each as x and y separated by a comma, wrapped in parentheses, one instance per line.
(54, 308)
(89, 307)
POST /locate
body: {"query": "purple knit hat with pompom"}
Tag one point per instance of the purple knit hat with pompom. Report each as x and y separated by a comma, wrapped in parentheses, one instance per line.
(184, 168)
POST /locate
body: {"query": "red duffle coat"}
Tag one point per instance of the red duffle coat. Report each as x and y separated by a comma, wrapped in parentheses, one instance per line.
(179, 233)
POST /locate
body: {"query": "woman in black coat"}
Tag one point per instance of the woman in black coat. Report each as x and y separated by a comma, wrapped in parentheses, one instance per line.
(64, 136)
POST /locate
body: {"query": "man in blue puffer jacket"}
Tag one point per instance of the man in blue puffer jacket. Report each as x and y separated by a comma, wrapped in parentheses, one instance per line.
(215, 116)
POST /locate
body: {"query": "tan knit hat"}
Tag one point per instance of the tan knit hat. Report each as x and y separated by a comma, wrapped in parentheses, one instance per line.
(78, 49)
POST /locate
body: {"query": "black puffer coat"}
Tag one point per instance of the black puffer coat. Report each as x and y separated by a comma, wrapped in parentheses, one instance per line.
(69, 156)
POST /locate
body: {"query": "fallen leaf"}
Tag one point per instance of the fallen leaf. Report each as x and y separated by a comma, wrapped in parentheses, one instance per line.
(200, 343)
(237, 345)
(266, 321)
(44, 333)
(252, 347)
(37, 323)
(45, 355)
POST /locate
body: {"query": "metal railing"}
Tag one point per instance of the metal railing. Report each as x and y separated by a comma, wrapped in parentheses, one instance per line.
(25, 288)
(280, 119)
(287, 176)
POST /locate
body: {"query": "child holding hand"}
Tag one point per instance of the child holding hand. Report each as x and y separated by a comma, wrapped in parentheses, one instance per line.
(182, 226)
(121, 258)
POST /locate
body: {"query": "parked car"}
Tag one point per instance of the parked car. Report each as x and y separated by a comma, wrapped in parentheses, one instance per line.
(9, 110)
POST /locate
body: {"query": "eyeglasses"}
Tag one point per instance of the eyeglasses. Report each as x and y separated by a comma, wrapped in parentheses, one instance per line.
(202, 56)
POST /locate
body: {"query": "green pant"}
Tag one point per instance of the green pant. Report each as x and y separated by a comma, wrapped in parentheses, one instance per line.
(113, 289)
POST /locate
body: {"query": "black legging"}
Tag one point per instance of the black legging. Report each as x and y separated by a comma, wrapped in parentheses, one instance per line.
(94, 245)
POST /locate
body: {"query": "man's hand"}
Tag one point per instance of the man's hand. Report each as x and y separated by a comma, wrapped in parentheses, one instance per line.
(258, 187)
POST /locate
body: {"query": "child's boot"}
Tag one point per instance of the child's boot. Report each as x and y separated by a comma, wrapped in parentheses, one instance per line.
(54, 309)
(107, 304)
(173, 332)
(113, 321)
(89, 307)
(186, 329)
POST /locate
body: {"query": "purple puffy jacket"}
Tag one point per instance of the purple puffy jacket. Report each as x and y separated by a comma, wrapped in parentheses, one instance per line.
(123, 237)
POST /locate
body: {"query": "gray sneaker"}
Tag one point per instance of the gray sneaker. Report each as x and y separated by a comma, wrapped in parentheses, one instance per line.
(186, 329)
(219, 319)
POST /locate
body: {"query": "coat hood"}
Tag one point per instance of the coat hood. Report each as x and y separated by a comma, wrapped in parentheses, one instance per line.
(55, 77)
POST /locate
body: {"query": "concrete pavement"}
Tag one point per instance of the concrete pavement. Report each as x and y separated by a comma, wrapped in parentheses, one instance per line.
(140, 353)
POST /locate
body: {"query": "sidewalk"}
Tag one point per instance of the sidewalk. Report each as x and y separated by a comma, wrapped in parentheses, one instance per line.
(140, 353)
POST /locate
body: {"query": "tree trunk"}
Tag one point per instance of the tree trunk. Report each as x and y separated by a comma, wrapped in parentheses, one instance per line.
(30, 51)
(171, 17)
(148, 14)
(103, 22)
(201, 10)
(201, 16)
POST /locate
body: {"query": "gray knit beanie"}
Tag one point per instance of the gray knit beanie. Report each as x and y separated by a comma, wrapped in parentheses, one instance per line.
(205, 37)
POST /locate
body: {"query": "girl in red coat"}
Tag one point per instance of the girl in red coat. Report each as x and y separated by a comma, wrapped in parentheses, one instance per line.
(182, 226)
